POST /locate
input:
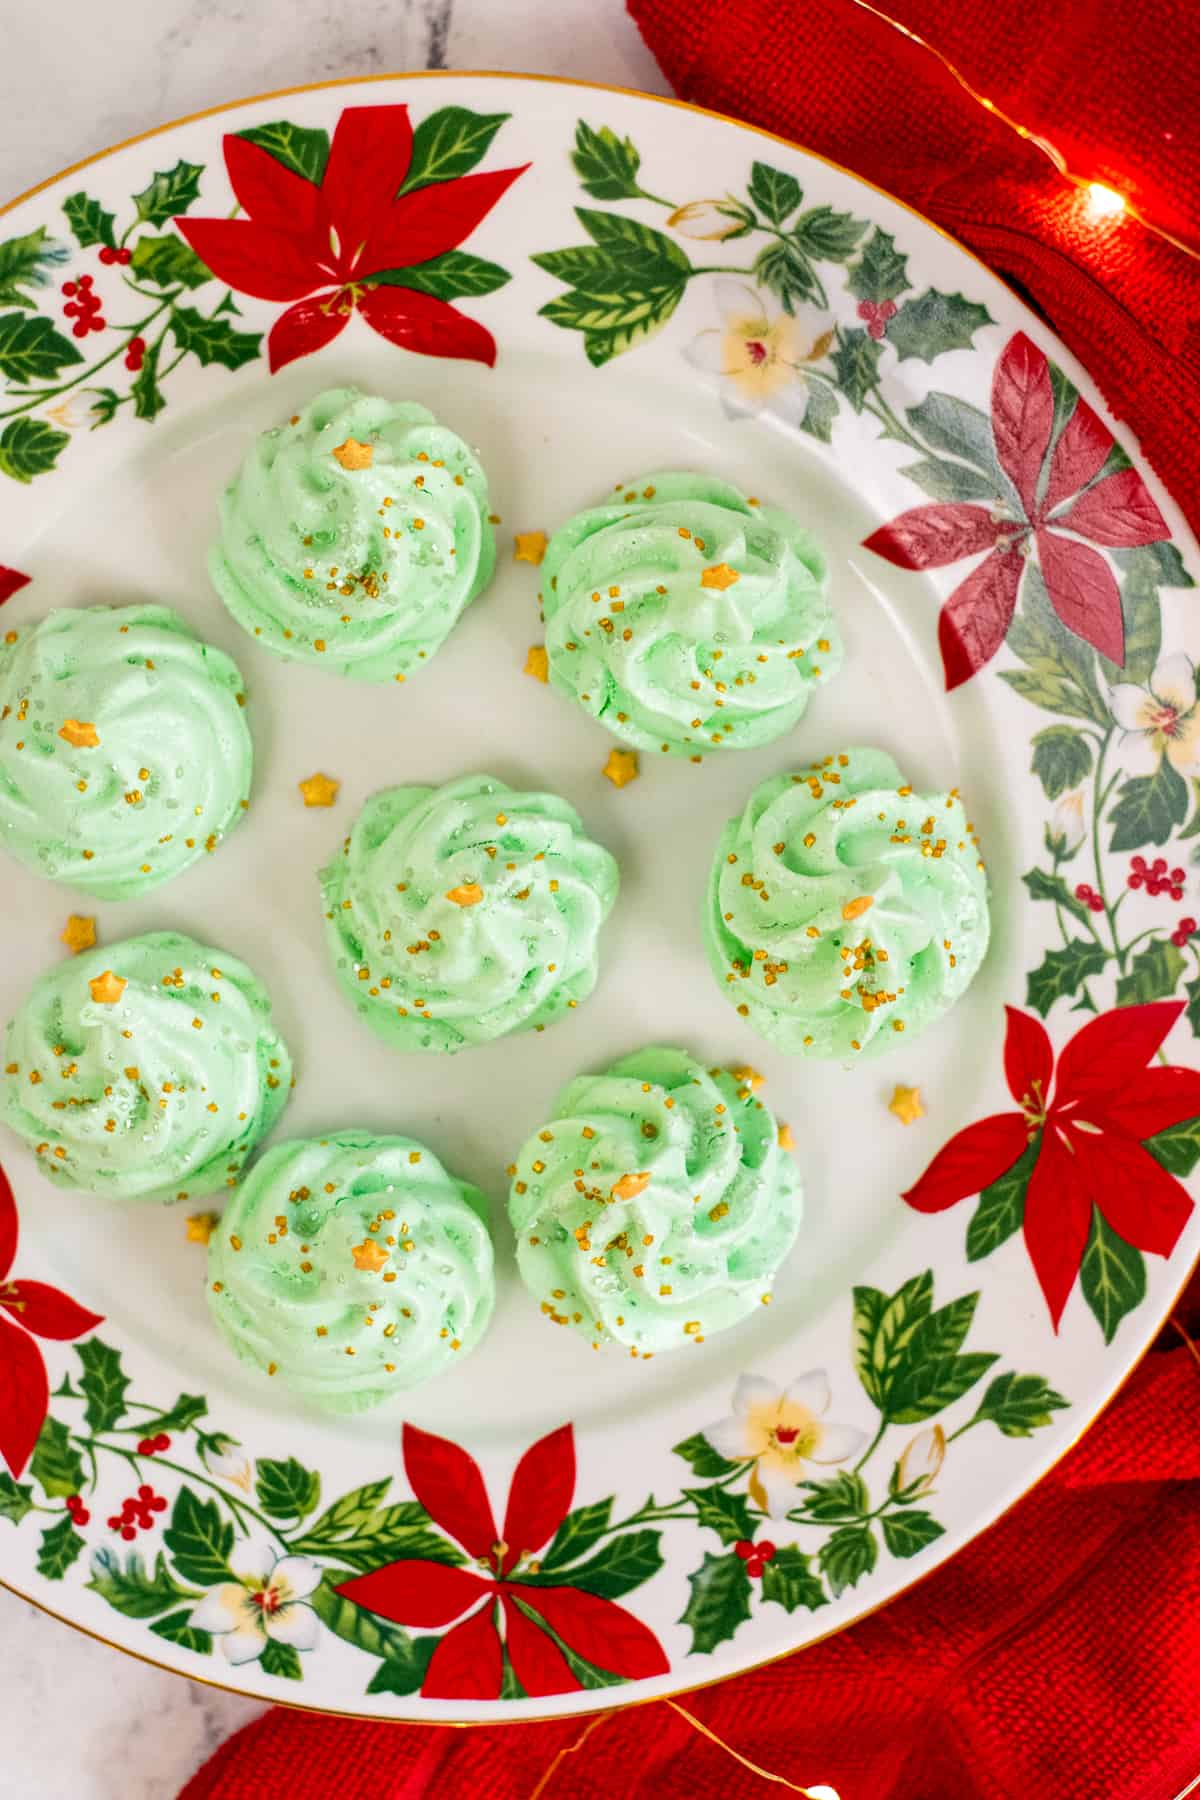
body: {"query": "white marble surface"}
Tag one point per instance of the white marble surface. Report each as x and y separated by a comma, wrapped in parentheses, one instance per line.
(81, 1722)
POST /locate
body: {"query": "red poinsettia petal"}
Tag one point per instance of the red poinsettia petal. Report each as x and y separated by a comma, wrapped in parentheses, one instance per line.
(368, 160)
(9, 1226)
(1022, 415)
(975, 619)
(271, 194)
(540, 1494)
(447, 1482)
(1083, 592)
(970, 1162)
(416, 1592)
(1143, 1203)
(430, 327)
(1028, 1056)
(46, 1311)
(468, 1663)
(1109, 1051)
(1079, 455)
(434, 219)
(1119, 510)
(1058, 1216)
(11, 582)
(538, 1663)
(930, 537)
(24, 1396)
(599, 1630)
(1149, 1103)
(252, 259)
(305, 327)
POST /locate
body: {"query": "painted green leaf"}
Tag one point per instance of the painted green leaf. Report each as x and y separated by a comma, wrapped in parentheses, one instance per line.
(1019, 1405)
(960, 429)
(951, 481)
(1038, 636)
(1142, 614)
(842, 1498)
(172, 191)
(578, 1532)
(856, 361)
(58, 1549)
(177, 1628)
(456, 275)
(1192, 828)
(1178, 1147)
(600, 346)
(89, 222)
(384, 1537)
(928, 1388)
(1044, 886)
(907, 1532)
(1052, 690)
(199, 1539)
(880, 273)
(1153, 973)
(719, 1602)
(788, 1580)
(630, 244)
(1061, 973)
(775, 193)
(847, 1556)
(287, 1490)
(365, 1630)
(31, 349)
(826, 235)
(14, 1498)
(1001, 1208)
(938, 1334)
(820, 412)
(586, 1673)
(1062, 758)
(282, 1660)
(606, 164)
(299, 148)
(352, 1511)
(1192, 990)
(213, 340)
(104, 406)
(932, 323)
(180, 1417)
(726, 1513)
(623, 1564)
(449, 143)
(704, 1459)
(56, 1464)
(28, 447)
(148, 398)
(1112, 1275)
(1148, 808)
(25, 262)
(404, 1675)
(883, 1328)
(103, 1382)
(784, 270)
(134, 1589)
(168, 262)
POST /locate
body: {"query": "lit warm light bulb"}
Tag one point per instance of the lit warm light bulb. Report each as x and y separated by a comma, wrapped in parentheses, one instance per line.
(1104, 202)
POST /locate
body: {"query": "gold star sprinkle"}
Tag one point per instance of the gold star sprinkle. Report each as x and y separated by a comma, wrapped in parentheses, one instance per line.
(786, 1140)
(719, 576)
(905, 1103)
(537, 663)
(79, 933)
(854, 909)
(748, 1077)
(107, 988)
(369, 1256)
(469, 894)
(319, 790)
(621, 767)
(530, 546)
(353, 455)
(200, 1227)
(80, 733)
(630, 1186)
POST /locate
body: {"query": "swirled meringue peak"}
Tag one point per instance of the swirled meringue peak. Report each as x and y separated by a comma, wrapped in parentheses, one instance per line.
(656, 1205)
(686, 617)
(457, 914)
(845, 912)
(351, 1267)
(354, 536)
(147, 1069)
(124, 751)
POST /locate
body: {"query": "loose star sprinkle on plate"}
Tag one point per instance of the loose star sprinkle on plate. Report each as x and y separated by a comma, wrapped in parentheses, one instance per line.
(621, 767)
(786, 1140)
(537, 663)
(319, 790)
(79, 933)
(353, 455)
(107, 988)
(530, 546)
(905, 1103)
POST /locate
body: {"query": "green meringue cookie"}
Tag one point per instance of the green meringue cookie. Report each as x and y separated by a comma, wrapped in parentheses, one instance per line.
(379, 1276)
(146, 1069)
(457, 914)
(354, 536)
(124, 751)
(845, 913)
(685, 1208)
(686, 617)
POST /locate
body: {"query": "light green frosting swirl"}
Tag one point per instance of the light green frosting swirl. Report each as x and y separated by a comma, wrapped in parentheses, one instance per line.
(689, 1251)
(291, 1296)
(362, 570)
(646, 630)
(170, 772)
(160, 1094)
(845, 913)
(514, 950)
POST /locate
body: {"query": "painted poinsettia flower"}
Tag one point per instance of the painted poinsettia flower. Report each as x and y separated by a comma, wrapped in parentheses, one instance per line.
(786, 1435)
(11, 582)
(1067, 826)
(468, 1663)
(709, 220)
(760, 355)
(1053, 503)
(343, 245)
(1160, 719)
(267, 1604)
(28, 1310)
(1087, 1120)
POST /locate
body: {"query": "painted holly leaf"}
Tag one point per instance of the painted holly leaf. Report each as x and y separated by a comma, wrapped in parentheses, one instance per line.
(775, 193)
(788, 1580)
(943, 480)
(180, 1417)
(15, 1499)
(449, 143)
(606, 164)
(177, 1628)
(931, 323)
(89, 222)
(847, 1556)
(1177, 1148)
(820, 412)
(785, 271)
(881, 272)
(1153, 973)
(1061, 973)
(1062, 759)
(103, 1383)
(171, 192)
(56, 1463)
(905, 1533)
(199, 1540)
(719, 1510)
(213, 340)
(287, 1490)
(31, 349)
(1044, 886)
(623, 1564)
(301, 149)
(11, 582)
(28, 447)
(148, 398)
(1001, 1208)
(697, 1451)
(280, 1659)
(58, 1549)
(826, 235)
(843, 1497)
(1148, 808)
(133, 1589)
(456, 275)
(168, 262)
(1019, 1405)
(582, 1528)
(25, 262)
(1112, 1275)
(719, 1603)
(883, 1328)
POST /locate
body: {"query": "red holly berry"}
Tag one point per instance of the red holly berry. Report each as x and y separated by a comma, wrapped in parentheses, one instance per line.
(162, 1441)
(138, 344)
(1095, 903)
(145, 1492)
(85, 281)
(887, 309)
(1187, 925)
(754, 1566)
(1083, 891)
(1177, 894)
(81, 1516)
(79, 329)
(145, 1446)
(766, 1549)
(107, 255)
(744, 1548)
(68, 288)
(124, 257)
(114, 1524)
(876, 328)
(158, 1504)
(866, 309)
(128, 1533)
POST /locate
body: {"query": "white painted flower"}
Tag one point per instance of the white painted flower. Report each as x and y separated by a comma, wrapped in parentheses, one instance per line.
(224, 1457)
(1068, 821)
(785, 1432)
(268, 1603)
(1160, 719)
(760, 355)
(920, 1461)
(709, 220)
